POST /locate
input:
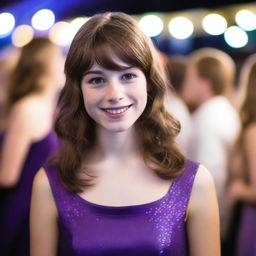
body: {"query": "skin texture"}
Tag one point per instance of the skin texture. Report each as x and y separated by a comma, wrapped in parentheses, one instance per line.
(104, 89)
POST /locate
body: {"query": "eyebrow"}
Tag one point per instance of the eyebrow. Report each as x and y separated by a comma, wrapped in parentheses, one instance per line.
(99, 72)
(93, 72)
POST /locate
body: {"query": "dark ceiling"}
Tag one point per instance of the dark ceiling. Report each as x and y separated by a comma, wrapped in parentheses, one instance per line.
(23, 10)
(70, 8)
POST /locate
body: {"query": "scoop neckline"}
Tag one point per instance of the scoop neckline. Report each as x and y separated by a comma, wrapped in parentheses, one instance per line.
(126, 209)
(47, 135)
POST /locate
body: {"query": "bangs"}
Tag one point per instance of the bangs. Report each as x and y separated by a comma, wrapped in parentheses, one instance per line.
(105, 46)
(103, 56)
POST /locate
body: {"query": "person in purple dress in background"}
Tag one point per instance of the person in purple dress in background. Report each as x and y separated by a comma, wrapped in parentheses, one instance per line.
(120, 186)
(27, 139)
(8, 60)
(242, 187)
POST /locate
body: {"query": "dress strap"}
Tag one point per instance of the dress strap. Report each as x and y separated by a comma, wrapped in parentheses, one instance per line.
(60, 193)
(182, 186)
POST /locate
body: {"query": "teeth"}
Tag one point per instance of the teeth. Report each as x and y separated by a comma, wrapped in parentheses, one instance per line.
(118, 111)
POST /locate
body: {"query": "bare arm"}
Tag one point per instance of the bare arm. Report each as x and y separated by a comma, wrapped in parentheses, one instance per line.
(43, 218)
(15, 146)
(203, 217)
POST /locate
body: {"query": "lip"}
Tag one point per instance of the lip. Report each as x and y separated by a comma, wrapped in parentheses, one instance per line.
(116, 115)
(116, 108)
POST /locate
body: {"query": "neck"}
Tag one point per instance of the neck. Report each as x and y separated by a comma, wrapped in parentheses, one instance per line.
(116, 145)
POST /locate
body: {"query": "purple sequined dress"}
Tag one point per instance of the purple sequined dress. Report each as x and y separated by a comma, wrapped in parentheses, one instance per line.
(15, 202)
(153, 229)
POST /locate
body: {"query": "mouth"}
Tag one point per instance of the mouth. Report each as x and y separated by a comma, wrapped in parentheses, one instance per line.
(117, 110)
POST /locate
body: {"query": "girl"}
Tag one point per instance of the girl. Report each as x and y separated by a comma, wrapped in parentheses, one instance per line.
(242, 188)
(27, 140)
(120, 186)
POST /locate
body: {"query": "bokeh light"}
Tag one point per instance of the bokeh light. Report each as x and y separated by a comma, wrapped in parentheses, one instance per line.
(214, 24)
(43, 19)
(59, 33)
(7, 23)
(151, 25)
(75, 25)
(235, 37)
(181, 27)
(246, 20)
(22, 35)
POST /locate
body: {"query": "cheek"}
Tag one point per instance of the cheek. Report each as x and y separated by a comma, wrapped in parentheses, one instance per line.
(141, 94)
(187, 89)
(92, 100)
(88, 99)
(142, 90)
(197, 86)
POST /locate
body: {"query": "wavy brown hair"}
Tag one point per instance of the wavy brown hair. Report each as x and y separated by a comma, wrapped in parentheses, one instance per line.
(217, 67)
(31, 67)
(248, 110)
(156, 128)
(247, 113)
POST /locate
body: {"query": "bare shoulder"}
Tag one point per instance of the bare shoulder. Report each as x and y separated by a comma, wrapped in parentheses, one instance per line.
(203, 179)
(43, 212)
(21, 120)
(203, 189)
(203, 216)
(24, 105)
(24, 111)
(41, 184)
(32, 115)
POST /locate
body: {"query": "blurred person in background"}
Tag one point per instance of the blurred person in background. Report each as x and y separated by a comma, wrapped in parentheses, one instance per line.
(215, 123)
(222, 76)
(242, 187)
(27, 140)
(241, 90)
(176, 69)
(8, 59)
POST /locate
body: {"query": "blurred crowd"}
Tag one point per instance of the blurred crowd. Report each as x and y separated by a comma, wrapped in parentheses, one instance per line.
(218, 129)
(214, 102)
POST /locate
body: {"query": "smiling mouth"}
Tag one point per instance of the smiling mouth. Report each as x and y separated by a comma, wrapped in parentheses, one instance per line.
(118, 110)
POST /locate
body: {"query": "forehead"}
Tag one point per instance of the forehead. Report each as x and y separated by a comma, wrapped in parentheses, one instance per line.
(108, 57)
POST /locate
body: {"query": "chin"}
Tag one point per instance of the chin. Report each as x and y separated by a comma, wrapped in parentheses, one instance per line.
(118, 128)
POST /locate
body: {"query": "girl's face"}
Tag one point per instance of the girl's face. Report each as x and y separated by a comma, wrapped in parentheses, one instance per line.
(114, 99)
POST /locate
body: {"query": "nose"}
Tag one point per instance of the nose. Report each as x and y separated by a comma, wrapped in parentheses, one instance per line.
(114, 92)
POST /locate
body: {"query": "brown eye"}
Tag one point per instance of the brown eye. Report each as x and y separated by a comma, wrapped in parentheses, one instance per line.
(128, 76)
(97, 80)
